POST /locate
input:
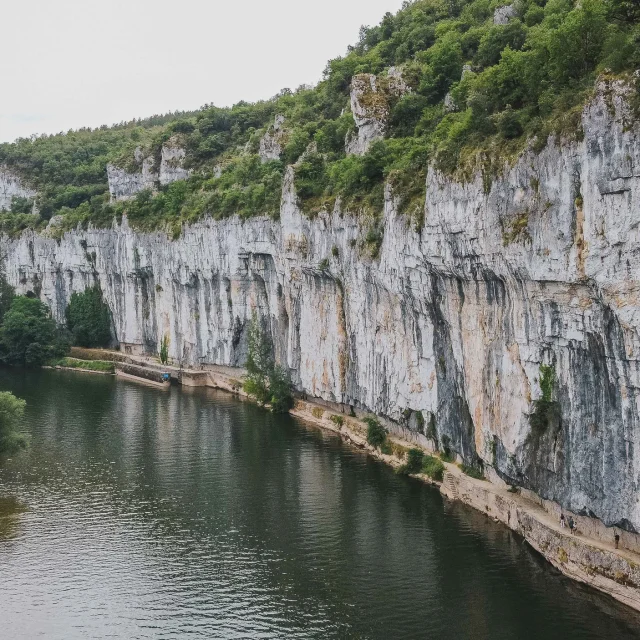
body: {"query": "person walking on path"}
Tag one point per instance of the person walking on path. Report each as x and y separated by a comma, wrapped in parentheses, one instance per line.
(562, 521)
(616, 539)
(572, 525)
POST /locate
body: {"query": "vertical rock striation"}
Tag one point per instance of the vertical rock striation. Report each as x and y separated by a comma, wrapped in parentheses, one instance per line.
(11, 186)
(537, 266)
(148, 172)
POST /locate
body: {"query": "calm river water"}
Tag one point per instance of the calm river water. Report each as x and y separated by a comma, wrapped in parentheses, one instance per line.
(142, 513)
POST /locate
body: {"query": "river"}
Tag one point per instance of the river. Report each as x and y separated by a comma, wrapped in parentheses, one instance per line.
(145, 513)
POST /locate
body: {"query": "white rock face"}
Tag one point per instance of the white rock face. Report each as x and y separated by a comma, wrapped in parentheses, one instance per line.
(370, 107)
(449, 103)
(370, 111)
(538, 267)
(396, 84)
(172, 163)
(271, 142)
(12, 187)
(124, 185)
(502, 15)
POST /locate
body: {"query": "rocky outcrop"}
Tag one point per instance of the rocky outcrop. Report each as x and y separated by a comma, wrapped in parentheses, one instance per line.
(370, 106)
(172, 163)
(503, 14)
(11, 186)
(272, 141)
(536, 265)
(125, 183)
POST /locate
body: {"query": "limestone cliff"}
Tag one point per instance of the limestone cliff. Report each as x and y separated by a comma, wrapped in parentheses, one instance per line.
(147, 173)
(451, 322)
(11, 186)
(370, 97)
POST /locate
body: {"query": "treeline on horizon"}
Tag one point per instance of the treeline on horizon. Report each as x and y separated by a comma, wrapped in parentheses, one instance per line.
(524, 80)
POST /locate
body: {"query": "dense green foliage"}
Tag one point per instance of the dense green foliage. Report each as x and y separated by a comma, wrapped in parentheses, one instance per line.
(11, 412)
(433, 467)
(522, 80)
(89, 318)
(29, 335)
(268, 382)
(376, 433)
(415, 460)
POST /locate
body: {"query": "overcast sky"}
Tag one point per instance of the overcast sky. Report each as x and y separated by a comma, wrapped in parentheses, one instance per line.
(73, 63)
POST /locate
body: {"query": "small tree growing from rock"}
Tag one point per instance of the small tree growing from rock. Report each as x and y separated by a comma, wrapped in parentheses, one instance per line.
(164, 349)
(266, 381)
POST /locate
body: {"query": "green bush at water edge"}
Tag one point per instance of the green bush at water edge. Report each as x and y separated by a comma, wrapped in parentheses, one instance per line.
(266, 381)
(376, 433)
(415, 460)
(433, 467)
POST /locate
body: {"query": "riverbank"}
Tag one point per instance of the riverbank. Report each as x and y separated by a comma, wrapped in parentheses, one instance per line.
(588, 556)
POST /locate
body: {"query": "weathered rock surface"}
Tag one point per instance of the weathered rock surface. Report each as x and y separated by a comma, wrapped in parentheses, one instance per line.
(503, 14)
(124, 184)
(172, 163)
(11, 186)
(370, 107)
(272, 141)
(537, 266)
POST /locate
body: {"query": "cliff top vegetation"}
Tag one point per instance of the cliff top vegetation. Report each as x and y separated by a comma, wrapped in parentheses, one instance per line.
(482, 83)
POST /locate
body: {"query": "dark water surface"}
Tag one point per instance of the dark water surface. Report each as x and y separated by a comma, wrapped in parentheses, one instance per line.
(142, 513)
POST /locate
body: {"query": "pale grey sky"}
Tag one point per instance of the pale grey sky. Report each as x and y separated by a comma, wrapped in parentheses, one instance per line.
(73, 63)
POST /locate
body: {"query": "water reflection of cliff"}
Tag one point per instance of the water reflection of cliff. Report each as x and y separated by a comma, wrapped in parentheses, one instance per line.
(10, 510)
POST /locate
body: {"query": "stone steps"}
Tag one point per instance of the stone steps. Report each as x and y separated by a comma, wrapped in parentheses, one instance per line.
(450, 485)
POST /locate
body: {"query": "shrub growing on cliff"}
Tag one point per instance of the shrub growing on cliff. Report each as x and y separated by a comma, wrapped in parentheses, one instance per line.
(415, 459)
(89, 318)
(11, 412)
(546, 410)
(280, 397)
(266, 381)
(164, 349)
(447, 455)
(376, 433)
(433, 468)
